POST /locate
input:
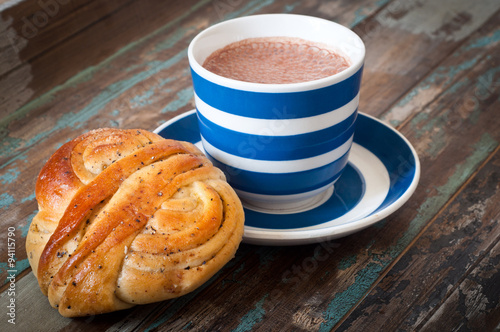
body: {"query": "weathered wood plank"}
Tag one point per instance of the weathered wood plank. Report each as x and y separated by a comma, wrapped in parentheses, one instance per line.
(310, 287)
(55, 118)
(455, 260)
(142, 85)
(408, 39)
(474, 303)
(453, 152)
(95, 40)
(471, 92)
(33, 126)
(29, 299)
(141, 63)
(26, 303)
(357, 261)
(29, 27)
(447, 74)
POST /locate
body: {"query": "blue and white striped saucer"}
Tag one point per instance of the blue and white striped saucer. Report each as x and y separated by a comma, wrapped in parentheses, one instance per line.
(381, 175)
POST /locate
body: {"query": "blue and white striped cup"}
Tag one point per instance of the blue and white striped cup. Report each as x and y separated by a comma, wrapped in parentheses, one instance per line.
(279, 144)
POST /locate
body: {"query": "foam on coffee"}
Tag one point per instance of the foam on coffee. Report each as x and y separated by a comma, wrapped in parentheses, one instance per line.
(275, 60)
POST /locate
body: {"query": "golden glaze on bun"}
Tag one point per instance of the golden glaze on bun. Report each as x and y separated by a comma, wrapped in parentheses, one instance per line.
(127, 217)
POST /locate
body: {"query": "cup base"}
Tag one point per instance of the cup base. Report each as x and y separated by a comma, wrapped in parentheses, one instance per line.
(288, 206)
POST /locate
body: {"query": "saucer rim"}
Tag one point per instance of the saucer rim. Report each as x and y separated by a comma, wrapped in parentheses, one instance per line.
(261, 236)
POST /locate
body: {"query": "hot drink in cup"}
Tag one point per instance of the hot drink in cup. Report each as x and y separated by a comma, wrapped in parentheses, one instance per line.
(277, 98)
(275, 60)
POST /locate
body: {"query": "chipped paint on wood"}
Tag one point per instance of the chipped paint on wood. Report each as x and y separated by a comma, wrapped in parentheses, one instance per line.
(451, 20)
(136, 76)
(252, 317)
(343, 301)
(78, 118)
(474, 299)
(457, 244)
(249, 8)
(6, 200)
(347, 262)
(363, 12)
(10, 175)
(485, 41)
(114, 90)
(84, 76)
(183, 98)
(480, 151)
(440, 79)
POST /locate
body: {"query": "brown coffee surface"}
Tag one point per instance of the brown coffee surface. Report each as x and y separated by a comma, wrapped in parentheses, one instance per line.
(275, 60)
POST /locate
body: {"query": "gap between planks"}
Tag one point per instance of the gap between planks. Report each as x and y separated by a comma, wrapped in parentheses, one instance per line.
(450, 200)
(407, 120)
(432, 100)
(437, 65)
(62, 41)
(466, 274)
(417, 237)
(147, 36)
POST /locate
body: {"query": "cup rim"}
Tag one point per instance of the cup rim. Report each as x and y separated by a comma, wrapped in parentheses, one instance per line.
(267, 87)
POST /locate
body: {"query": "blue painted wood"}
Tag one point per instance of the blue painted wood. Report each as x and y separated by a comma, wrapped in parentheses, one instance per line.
(440, 89)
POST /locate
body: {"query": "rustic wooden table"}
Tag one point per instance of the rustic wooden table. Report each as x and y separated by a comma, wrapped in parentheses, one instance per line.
(432, 71)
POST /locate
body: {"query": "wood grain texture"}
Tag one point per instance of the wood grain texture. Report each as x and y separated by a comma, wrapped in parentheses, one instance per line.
(72, 42)
(449, 277)
(407, 40)
(432, 70)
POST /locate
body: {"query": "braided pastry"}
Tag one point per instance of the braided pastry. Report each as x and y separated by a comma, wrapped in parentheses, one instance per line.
(127, 217)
